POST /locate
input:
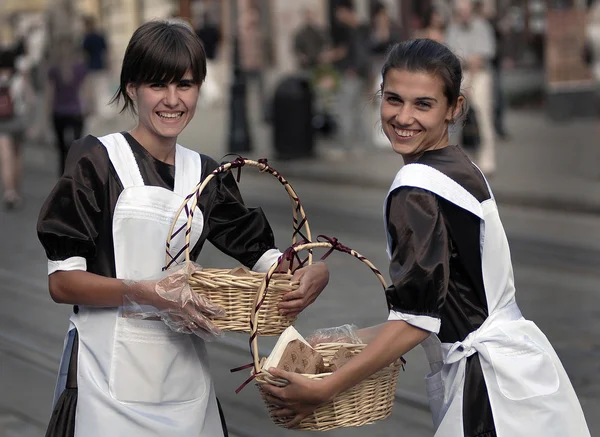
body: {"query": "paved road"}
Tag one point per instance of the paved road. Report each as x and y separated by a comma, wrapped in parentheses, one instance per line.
(555, 265)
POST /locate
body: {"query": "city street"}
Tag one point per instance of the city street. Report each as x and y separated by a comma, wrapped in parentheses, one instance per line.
(277, 70)
(555, 256)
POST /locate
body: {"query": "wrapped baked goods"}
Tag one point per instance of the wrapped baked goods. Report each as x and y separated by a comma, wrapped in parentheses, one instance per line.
(298, 357)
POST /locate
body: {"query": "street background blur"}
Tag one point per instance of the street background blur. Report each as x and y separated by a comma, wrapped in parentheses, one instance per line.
(278, 89)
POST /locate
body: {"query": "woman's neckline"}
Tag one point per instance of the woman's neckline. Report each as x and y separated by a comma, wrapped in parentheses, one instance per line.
(131, 139)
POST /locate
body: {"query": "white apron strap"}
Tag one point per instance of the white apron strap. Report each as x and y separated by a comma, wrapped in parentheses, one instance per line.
(188, 170)
(122, 158)
(430, 179)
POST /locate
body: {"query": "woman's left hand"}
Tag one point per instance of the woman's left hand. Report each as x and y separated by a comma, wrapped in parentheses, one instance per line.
(298, 399)
(313, 279)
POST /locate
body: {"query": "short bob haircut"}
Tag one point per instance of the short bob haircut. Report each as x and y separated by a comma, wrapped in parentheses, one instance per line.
(160, 51)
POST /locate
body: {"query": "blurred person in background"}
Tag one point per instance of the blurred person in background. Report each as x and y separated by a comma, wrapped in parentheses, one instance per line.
(252, 58)
(16, 100)
(312, 50)
(352, 58)
(96, 49)
(210, 35)
(472, 39)
(486, 12)
(434, 26)
(310, 41)
(593, 39)
(384, 34)
(34, 36)
(10, 37)
(68, 95)
(33, 65)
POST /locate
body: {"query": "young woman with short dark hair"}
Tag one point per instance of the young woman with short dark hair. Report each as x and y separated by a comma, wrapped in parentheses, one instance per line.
(130, 366)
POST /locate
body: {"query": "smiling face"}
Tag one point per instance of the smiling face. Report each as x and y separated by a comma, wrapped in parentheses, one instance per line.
(415, 112)
(164, 109)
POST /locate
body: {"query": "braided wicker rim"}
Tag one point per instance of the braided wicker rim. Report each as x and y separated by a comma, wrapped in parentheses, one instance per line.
(297, 208)
(370, 400)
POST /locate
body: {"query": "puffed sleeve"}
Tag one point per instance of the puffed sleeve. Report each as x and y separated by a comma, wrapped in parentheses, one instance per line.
(69, 220)
(419, 266)
(238, 231)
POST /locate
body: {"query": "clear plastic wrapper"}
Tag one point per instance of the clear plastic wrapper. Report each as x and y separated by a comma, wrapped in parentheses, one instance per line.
(338, 334)
(171, 299)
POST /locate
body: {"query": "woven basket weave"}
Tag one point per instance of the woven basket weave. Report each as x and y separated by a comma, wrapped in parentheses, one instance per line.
(237, 294)
(366, 402)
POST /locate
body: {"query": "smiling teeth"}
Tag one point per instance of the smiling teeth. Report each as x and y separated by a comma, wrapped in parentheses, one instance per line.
(405, 133)
(165, 115)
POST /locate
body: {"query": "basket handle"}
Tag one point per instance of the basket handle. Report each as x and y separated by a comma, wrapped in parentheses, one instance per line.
(322, 241)
(298, 214)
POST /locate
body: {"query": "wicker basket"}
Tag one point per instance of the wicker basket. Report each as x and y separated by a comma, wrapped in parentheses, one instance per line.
(237, 294)
(368, 401)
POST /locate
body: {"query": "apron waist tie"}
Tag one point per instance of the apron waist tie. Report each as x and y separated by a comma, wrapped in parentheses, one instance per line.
(464, 349)
(456, 354)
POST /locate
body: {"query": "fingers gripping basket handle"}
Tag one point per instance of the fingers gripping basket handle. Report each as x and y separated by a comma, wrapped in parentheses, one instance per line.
(299, 217)
(322, 241)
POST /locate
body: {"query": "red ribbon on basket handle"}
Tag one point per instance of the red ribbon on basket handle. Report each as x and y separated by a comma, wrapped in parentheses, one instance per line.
(238, 163)
(335, 245)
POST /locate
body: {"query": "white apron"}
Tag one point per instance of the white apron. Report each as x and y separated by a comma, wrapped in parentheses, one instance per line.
(529, 391)
(137, 377)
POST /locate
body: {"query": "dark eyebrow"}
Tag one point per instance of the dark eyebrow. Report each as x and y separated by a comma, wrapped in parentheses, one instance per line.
(421, 99)
(431, 99)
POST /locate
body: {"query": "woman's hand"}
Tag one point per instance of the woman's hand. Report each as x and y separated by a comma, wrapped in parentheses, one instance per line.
(175, 303)
(313, 280)
(299, 398)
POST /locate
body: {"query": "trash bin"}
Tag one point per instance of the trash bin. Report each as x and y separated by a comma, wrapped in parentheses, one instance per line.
(292, 114)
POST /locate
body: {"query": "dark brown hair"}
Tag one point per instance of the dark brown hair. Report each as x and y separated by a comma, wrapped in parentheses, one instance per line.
(160, 51)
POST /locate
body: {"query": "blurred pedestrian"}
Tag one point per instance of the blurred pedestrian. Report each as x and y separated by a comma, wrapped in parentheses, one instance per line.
(68, 96)
(384, 34)
(472, 39)
(96, 48)
(210, 35)
(252, 58)
(33, 64)
(310, 41)
(10, 38)
(434, 26)
(16, 100)
(34, 37)
(486, 12)
(104, 228)
(493, 373)
(593, 39)
(352, 58)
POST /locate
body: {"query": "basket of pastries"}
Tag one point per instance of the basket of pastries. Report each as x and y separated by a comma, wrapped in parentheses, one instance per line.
(366, 402)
